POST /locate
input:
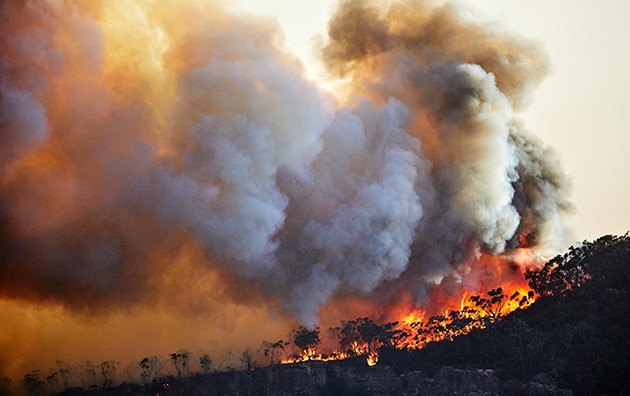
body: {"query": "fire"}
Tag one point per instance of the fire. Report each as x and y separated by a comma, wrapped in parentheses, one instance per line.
(413, 317)
(372, 359)
(500, 289)
(413, 331)
(139, 134)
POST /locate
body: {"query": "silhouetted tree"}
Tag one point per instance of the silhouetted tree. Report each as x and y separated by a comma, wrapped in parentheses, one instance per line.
(273, 350)
(596, 265)
(151, 367)
(349, 337)
(180, 361)
(205, 362)
(306, 340)
(64, 371)
(108, 372)
(247, 358)
(576, 332)
(491, 307)
(89, 377)
(52, 382)
(32, 384)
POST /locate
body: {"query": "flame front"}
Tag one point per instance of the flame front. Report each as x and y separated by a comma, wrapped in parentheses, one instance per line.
(412, 332)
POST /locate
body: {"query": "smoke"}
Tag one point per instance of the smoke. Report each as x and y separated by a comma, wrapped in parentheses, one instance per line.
(491, 180)
(159, 150)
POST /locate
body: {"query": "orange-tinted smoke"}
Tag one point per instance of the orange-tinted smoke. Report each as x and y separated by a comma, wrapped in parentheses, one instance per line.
(170, 157)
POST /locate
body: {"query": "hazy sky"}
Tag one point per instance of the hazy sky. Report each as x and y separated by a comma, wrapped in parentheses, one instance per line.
(581, 110)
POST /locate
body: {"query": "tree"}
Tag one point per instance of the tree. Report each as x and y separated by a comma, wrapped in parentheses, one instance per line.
(64, 371)
(273, 350)
(180, 361)
(306, 340)
(52, 381)
(89, 377)
(491, 307)
(5, 386)
(247, 358)
(204, 362)
(151, 367)
(363, 336)
(31, 383)
(590, 267)
(108, 372)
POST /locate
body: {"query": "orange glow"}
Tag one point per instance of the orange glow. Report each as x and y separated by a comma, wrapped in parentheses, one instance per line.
(473, 310)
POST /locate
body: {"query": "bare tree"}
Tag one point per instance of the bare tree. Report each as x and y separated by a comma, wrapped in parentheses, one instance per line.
(108, 372)
(52, 382)
(180, 361)
(88, 377)
(247, 358)
(205, 362)
(151, 367)
(31, 383)
(65, 371)
(274, 350)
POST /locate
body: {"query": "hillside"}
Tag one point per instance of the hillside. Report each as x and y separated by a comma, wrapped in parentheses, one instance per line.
(577, 332)
(338, 378)
(574, 339)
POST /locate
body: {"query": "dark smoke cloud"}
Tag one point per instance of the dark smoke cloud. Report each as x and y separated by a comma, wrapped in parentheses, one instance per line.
(133, 138)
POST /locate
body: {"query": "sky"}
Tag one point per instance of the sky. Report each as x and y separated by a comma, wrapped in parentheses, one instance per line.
(579, 110)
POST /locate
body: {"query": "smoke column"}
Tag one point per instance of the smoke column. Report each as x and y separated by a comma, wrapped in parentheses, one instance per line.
(166, 165)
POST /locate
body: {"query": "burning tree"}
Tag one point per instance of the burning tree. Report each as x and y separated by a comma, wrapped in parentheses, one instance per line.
(363, 336)
(306, 340)
(599, 264)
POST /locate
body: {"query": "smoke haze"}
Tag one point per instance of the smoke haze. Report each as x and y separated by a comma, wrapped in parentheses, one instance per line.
(169, 177)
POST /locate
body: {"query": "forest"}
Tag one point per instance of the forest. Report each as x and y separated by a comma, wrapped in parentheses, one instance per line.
(573, 326)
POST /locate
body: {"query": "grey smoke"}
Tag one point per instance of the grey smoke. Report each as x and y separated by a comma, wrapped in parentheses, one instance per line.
(390, 191)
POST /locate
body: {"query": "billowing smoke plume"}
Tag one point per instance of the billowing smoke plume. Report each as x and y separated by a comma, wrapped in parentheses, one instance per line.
(493, 186)
(135, 132)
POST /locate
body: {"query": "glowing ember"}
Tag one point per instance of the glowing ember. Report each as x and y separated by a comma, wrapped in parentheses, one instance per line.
(372, 359)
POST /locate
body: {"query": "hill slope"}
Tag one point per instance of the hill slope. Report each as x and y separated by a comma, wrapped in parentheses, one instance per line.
(574, 339)
(577, 332)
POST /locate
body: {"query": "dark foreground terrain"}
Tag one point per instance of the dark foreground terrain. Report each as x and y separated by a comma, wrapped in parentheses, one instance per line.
(339, 378)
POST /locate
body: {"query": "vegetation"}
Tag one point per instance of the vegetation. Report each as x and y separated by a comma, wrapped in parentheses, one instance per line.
(577, 333)
(306, 340)
(205, 363)
(180, 362)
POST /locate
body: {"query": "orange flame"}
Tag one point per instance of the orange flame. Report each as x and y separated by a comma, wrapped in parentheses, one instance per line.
(474, 310)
